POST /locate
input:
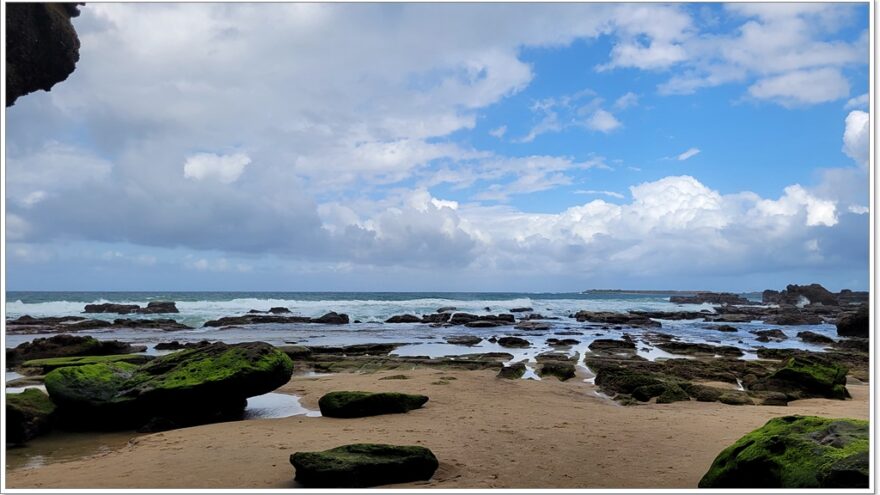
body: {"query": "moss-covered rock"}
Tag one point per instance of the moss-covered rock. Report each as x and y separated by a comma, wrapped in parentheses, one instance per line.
(795, 452)
(359, 404)
(28, 414)
(187, 387)
(808, 376)
(735, 398)
(363, 465)
(563, 370)
(65, 345)
(672, 393)
(513, 372)
(703, 393)
(49, 364)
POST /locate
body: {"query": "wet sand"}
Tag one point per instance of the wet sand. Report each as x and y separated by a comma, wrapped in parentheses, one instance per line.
(486, 432)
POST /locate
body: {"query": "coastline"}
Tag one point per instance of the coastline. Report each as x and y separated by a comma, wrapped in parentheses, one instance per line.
(482, 432)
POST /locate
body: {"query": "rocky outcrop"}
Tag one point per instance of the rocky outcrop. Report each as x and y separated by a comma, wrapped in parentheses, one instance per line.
(514, 371)
(404, 319)
(176, 346)
(805, 376)
(166, 324)
(710, 298)
(771, 335)
(360, 404)
(795, 452)
(694, 348)
(67, 345)
(800, 294)
(187, 387)
(521, 310)
(855, 324)
(154, 307)
(42, 47)
(331, 318)
(814, 338)
(563, 370)
(363, 465)
(28, 415)
(616, 318)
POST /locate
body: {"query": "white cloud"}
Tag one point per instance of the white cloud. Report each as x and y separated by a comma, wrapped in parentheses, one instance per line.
(797, 200)
(602, 121)
(498, 132)
(804, 87)
(858, 209)
(859, 102)
(610, 194)
(688, 154)
(224, 168)
(628, 100)
(857, 137)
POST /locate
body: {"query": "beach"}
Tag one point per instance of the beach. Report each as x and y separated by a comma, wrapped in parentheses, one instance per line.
(486, 432)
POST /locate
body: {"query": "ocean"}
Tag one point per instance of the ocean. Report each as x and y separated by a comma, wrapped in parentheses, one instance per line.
(371, 309)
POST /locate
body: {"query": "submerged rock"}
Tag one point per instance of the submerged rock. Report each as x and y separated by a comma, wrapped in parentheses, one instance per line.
(363, 465)
(795, 452)
(28, 415)
(360, 404)
(186, 387)
(774, 334)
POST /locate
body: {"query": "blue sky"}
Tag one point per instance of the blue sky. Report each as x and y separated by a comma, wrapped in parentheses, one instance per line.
(549, 147)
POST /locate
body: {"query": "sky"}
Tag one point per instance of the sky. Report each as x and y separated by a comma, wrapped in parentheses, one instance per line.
(447, 147)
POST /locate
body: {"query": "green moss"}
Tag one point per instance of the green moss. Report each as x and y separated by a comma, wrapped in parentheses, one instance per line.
(559, 369)
(622, 380)
(28, 414)
(794, 452)
(32, 401)
(90, 384)
(50, 364)
(814, 375)
(513, 372)
(358, 404)
(672, 393)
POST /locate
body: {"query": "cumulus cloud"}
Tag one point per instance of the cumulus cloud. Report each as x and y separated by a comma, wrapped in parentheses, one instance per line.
(691, 152)
(602, 121)
(857, 137)
(224, 168)
(802, 87)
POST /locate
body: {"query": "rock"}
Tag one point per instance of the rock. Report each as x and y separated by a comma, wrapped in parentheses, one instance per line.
(166, 324)
(122, 309)
(513, 342)
(612, 345)
(187, 387)
(774, 399)
(175, 345)
(48, 364)
(724, 328)
(468, 340)
(446, 309)
(357, 349)
(773, 334)
(67, 345)
(156, 307)
(533, 326)
(562, 342)
(672, 393)
(28, 415)
(694, 348)
(800, 295)
(331, 318)
(854, 325)
(363, 465)
(814, 338)
(853, 343)
(710, 298)
(805, 376)
(277, 310)
(52, 320)
(795, 452)
(735, 398)
(404, 319)
(793, 318)
(295, 351)
(360, 404)
(513, 372)
(703, 393)
(616, 319)
(436, 318)
(465, 318)
(563, 370)
(42, 47)
(483, 324)
(847, 297)
(521, 310)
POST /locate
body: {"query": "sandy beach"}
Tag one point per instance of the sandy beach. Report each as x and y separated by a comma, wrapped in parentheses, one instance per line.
(486, 432)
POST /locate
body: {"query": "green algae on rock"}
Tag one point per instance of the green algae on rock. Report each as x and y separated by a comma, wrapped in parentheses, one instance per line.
(808, 376)
(359, 404)
(795, 452)
(364, 465)
(28, 414)
(49, 364)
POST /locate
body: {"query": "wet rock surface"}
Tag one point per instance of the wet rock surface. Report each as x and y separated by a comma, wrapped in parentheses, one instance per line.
(363, 465)
(361, 404)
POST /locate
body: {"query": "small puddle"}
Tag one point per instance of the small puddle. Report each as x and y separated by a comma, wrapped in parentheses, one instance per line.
(62, 446)
(275, 405)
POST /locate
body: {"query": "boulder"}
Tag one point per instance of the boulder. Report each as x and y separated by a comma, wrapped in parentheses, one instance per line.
(122, 309)
(513, 372)
(436, 318)
(814, 338)
(363, 465)
(360, 404)
(67, 345)
(774, 334)
(186, 387)
(735, 398)
(855, 324)
(795, 452)
(805, 376)
(404, 319)
(467, 340)
(513, 342)
(28, 415)
(156, 307)
(563, 370)
(331, 318)
(724, 328)
(48, 364)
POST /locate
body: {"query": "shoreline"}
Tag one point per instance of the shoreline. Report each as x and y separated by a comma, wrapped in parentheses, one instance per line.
(566, 436)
